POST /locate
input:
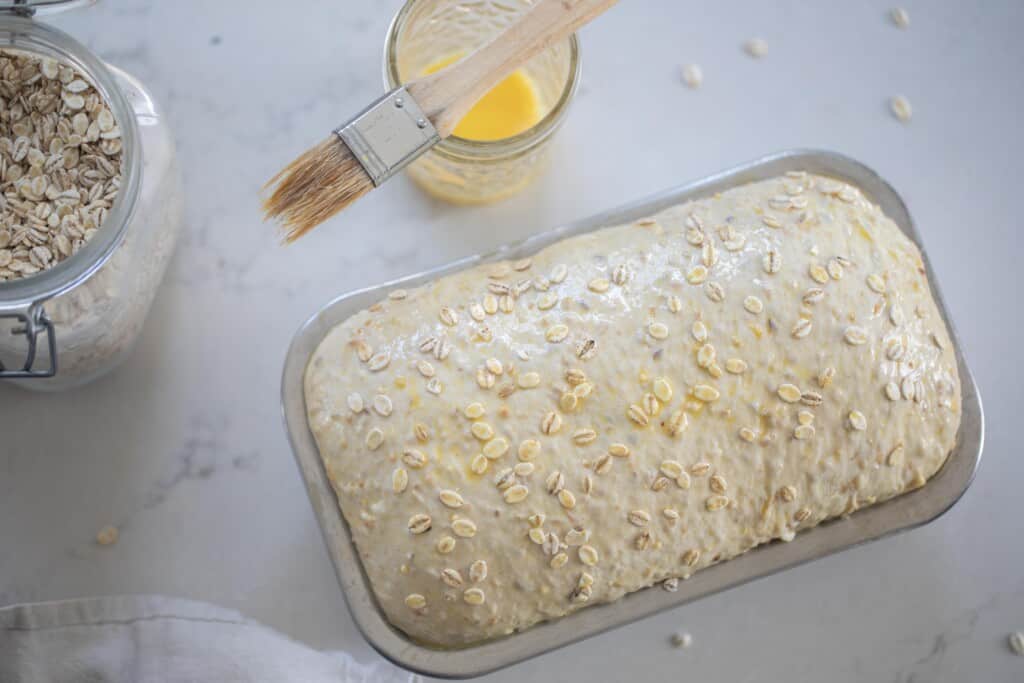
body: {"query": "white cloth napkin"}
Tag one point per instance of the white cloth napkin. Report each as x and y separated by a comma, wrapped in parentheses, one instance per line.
(151, 639)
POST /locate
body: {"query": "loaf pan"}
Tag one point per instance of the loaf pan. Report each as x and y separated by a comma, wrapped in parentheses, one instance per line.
(898, 514)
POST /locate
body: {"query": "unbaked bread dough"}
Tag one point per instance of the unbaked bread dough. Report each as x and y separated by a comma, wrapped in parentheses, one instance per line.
(524, 439)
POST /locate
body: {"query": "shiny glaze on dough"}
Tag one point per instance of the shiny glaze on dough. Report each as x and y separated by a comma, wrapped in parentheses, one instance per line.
(835, 471)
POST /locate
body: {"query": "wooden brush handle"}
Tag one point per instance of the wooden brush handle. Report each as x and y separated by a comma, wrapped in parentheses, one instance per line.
(449, 94)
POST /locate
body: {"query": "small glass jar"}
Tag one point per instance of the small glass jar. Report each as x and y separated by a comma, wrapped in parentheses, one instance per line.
(469, 171)
(79, 319)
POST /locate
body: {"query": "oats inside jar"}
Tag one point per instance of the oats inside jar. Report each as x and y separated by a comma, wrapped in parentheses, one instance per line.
(60, 162)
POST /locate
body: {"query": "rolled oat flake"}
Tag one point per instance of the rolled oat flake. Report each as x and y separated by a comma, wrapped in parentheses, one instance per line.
(692, 75)
(901, 108)
(756, 47)
(681, 639)
(1017, 643)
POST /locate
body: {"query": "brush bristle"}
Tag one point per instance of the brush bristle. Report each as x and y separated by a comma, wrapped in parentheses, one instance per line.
(314, 187)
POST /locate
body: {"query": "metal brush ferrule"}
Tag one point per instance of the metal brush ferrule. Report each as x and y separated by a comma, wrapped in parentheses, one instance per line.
(389, 134)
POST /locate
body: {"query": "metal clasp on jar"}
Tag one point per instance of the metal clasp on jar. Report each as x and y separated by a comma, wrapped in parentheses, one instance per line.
(29, 8)
(33, 321)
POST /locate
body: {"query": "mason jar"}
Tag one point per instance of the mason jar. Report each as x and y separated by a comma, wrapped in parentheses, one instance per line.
(79, 319)
(425, 32)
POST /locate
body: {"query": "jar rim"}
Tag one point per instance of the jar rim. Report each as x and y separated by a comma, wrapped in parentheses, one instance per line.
(35, 38)
(503, 148)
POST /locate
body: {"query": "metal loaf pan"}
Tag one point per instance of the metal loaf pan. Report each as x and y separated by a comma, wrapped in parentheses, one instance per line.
(898, 514)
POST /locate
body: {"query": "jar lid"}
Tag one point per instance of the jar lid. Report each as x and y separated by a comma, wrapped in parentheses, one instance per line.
(34, 7)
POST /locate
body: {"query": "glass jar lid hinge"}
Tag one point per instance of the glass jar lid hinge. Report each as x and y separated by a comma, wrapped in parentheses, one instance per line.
(29, 8)
(22, 8)
(33, 322)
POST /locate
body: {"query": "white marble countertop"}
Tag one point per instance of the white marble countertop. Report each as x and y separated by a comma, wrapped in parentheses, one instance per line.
(183, 447)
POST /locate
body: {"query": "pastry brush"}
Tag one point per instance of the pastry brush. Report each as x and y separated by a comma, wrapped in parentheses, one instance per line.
(405, 123)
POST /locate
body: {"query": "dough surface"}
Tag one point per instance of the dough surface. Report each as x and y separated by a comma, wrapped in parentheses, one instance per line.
(523, 439)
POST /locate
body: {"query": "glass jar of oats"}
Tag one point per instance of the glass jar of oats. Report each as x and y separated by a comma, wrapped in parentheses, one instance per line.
(90, 204)
(425, 36)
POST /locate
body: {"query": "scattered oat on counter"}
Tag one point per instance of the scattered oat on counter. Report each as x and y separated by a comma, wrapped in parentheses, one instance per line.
(899, 17)
(693, 77)
(108, 535)
(681, 640)
(756, 47)
(1017, 643)
(901, 108)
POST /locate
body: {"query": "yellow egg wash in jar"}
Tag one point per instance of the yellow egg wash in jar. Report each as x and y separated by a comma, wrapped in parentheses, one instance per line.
(503, 143)
(510, 108)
